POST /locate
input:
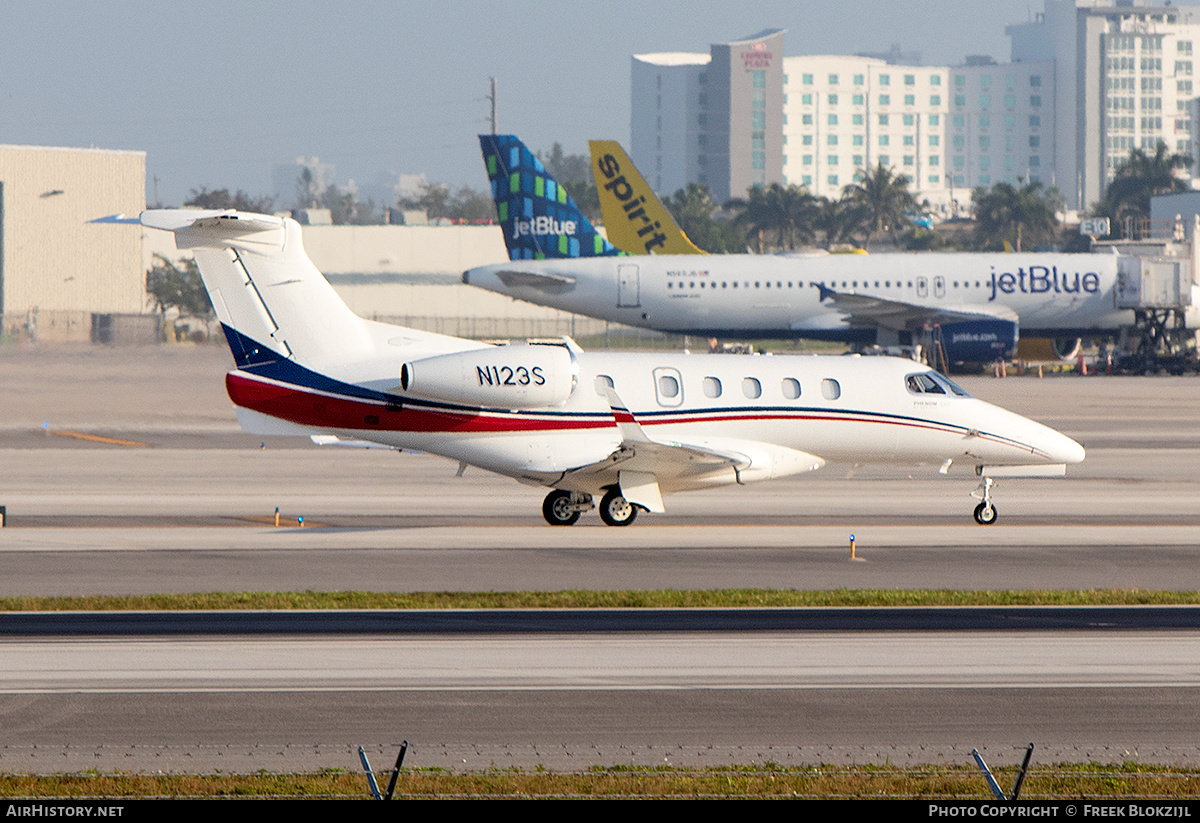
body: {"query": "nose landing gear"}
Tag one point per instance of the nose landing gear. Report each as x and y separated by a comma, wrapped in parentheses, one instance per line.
(985, 512)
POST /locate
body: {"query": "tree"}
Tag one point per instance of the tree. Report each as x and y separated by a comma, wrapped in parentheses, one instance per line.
(1140, 177)
(1025, 215)
(346, 209)
(842, 221)
(470, 205)
(574, 173)
(178, 287)
(432, 200)
(886, 196)
(566, 168)
(307, 190)
(222, 199)
(693, 209)
(788, 211)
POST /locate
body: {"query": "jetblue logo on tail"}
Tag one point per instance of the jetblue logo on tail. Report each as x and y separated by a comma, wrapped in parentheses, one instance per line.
(542, 225)
(539, 218)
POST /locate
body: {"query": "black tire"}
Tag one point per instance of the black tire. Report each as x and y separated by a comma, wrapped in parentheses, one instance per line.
(557, 509)
(985, 514)
(615, 510)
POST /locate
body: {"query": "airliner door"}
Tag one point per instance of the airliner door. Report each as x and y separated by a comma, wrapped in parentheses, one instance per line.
(922, 287)
(628, 287)
(939, 286)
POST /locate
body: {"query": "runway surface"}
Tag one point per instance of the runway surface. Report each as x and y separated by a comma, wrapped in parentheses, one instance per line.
(191, 510)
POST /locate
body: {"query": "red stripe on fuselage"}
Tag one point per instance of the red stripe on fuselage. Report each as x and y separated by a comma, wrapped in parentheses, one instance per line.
(332, 412)
(326, 411)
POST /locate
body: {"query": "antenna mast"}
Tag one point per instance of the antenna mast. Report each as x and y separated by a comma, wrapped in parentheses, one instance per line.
(492, 99)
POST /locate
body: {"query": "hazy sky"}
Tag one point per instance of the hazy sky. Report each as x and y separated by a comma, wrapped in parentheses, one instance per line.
(218, 92)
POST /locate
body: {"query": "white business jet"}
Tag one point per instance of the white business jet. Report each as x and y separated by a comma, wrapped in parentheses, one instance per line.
(625, 428)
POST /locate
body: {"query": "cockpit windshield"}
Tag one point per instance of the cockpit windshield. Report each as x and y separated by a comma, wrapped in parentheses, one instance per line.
(932, 382)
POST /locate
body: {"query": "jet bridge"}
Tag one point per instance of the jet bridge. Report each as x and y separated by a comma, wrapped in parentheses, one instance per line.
(1158, 289)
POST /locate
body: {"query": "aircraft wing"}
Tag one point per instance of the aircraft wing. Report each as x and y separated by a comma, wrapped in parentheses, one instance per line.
(869, 310)
(641, 466)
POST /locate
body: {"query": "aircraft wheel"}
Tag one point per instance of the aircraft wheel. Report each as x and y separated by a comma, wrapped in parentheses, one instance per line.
(615, 510)
(985, 514)
(558, 510)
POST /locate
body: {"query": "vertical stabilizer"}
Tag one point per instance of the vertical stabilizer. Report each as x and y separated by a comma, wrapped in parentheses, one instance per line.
(634, 218)
(269, 297)
(538, 217)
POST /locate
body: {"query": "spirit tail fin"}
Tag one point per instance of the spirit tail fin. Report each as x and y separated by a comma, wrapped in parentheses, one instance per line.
(634, 218)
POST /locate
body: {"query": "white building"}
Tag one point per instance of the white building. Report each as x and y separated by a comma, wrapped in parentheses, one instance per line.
(844, 114)
(1089, 81)
(56, 267)
(714, 118)
(1123, 79)
(1001, 126)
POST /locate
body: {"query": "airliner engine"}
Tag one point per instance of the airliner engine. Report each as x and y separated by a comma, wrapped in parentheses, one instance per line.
(509, 377)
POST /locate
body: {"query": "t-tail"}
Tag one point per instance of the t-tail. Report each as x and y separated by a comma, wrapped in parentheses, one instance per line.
(538, 217)
(282, 319)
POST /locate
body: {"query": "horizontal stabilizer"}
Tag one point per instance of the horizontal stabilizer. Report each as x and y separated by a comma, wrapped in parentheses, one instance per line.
(225, 222)
(119, 219)
(541, 281)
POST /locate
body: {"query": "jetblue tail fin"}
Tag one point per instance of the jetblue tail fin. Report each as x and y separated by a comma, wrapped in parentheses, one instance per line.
(538, 217)
(634, 218)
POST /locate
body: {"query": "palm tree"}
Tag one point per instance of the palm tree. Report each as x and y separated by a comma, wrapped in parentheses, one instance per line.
(1005, 212)
(788, 211)
(1140, 177)
(886, 195)
(693, 209)
(842, 220)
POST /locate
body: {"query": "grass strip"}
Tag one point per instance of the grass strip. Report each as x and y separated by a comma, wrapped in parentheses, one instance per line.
(1059, 781)
(590, 599)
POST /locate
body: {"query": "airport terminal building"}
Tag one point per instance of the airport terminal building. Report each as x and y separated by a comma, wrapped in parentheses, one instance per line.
(1088, 81)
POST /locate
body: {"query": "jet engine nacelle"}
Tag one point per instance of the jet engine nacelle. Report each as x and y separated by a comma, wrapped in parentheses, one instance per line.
(979, 341)
(509, 377)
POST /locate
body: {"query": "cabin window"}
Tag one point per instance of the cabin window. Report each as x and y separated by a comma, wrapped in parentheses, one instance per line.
(791, 388)
(667, 387)
(831, 389)
(603, 381)
(751, 388)
(712, 387)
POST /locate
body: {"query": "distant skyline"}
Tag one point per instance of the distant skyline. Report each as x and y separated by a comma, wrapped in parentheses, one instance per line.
(219, 93)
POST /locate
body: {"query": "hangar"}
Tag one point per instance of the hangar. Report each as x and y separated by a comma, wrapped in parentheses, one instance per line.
(57, 271)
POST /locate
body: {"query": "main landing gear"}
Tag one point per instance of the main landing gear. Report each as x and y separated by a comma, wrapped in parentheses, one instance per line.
(562, 507)
(985, 512)
(615, 510)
